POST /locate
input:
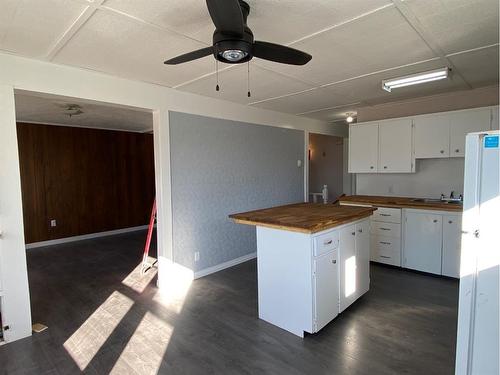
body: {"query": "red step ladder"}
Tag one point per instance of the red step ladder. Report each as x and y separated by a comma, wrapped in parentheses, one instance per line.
(145, 257)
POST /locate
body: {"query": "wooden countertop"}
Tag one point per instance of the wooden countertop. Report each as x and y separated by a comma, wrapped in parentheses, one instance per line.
(401, 202)
(303, 217)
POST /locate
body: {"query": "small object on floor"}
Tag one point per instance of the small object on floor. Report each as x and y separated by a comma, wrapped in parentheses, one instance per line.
(39, 327)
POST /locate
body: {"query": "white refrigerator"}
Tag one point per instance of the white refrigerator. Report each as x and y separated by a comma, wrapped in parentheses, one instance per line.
(478, 312)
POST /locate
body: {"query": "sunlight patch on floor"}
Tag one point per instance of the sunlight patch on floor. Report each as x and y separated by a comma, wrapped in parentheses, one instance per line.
(146, 348)
(138, 281)
(87, 340)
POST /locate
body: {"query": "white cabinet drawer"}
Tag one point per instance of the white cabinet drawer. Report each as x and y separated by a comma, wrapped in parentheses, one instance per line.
(326, 242)
(385, 250)
(389, 215)
(386, 229)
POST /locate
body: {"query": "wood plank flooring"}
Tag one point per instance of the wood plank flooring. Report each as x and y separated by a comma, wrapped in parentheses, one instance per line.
(100, 324)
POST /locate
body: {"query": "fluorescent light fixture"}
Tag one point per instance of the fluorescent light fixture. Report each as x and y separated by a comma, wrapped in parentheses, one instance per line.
(415, 79)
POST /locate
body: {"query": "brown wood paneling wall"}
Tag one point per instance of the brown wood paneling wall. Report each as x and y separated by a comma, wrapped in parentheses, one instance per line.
(88, 180)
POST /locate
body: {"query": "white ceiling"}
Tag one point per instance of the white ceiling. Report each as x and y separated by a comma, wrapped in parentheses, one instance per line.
(354, 43)
(51, 109)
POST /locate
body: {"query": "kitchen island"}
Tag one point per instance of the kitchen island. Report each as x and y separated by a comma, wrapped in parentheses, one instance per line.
(312, 261)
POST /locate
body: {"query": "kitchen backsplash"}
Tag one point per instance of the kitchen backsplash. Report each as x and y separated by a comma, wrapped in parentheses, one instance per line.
(432, 177)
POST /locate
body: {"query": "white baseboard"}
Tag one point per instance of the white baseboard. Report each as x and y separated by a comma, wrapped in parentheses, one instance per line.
(222, 266)
(89, 236)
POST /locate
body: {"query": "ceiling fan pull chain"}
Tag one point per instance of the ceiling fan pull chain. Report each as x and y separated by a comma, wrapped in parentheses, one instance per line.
(248, 78)
(217, 88)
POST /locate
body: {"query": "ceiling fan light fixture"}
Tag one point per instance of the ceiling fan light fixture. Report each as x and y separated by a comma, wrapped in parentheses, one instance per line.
(233, 55)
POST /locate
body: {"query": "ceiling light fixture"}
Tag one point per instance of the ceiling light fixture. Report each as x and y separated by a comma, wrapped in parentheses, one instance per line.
(415, 79)
(233, 55)
(349, 118)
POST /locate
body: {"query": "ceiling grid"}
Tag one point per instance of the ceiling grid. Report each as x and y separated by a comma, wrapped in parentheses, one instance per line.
(355, 44)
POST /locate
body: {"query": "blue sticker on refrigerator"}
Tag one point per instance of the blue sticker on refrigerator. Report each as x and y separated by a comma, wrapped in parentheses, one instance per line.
(491, 141)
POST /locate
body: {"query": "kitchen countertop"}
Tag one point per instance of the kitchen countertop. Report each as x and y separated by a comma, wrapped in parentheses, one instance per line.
(303, 217)
(401, 202)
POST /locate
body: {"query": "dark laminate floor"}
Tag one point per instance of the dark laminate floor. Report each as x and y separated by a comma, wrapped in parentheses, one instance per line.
(404, 325)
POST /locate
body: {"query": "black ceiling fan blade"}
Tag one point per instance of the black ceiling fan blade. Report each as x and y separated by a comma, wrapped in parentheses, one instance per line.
(280, 54)
(193, 55)
(227, 16)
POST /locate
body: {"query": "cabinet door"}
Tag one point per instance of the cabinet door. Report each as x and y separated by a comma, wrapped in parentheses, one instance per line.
(347, 257)
(432, 136)
(422, 242)
(395, 146)
(452, 236)
(326, 296)
(363, 148)
(362, 243)
(463, 123)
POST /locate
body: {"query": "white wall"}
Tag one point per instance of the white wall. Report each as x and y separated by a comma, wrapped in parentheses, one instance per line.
(432, 177)
(43, 77)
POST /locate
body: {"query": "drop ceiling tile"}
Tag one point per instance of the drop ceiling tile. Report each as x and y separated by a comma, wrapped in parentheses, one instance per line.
(264, 84)
(480, 67)
(378, 41)
(361, 90)
(30, 27)
(458, 25)
(276, 21)
(119, 46)
(334, 114)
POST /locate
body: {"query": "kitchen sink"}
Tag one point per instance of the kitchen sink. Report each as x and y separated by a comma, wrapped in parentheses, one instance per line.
(434, 200)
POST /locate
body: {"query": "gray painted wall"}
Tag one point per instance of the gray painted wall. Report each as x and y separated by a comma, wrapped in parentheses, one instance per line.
(221, 167)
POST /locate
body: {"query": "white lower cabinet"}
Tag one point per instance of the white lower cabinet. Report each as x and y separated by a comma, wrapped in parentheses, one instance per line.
(362, 242)
(347, 266)
(452, 236)
(422, 241)
(432, 242)
(326, 291)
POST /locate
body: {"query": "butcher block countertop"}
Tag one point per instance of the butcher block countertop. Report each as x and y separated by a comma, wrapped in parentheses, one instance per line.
(303, 217)
(400, 202)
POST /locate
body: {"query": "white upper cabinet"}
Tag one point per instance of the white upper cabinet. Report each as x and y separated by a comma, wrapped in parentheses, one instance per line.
(464, 122)
(395, 146)
(363, 148)
(432, 136)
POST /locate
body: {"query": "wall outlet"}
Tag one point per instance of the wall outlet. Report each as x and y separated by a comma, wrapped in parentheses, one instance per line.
(53, 223)
(299, 163)
(196, 256)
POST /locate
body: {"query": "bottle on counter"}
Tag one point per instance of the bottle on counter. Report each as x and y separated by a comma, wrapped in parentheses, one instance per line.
(324, 194)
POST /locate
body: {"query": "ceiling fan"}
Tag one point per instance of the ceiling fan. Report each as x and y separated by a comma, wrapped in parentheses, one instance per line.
(233, 41)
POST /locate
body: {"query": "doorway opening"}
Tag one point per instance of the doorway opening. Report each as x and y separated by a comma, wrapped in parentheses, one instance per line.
(328, 177)
(88, 186)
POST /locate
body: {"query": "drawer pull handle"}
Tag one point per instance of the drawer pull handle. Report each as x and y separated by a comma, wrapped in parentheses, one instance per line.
(442, 151)
(434, 221)
(385, 243)
(457, 150)
(353, 233)
(371, 167)
(384, 256)
(450, 222)
(360, 230)
(385, 166)
(385, 214)
(384, 229)
(334, 261)
(327, 242)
